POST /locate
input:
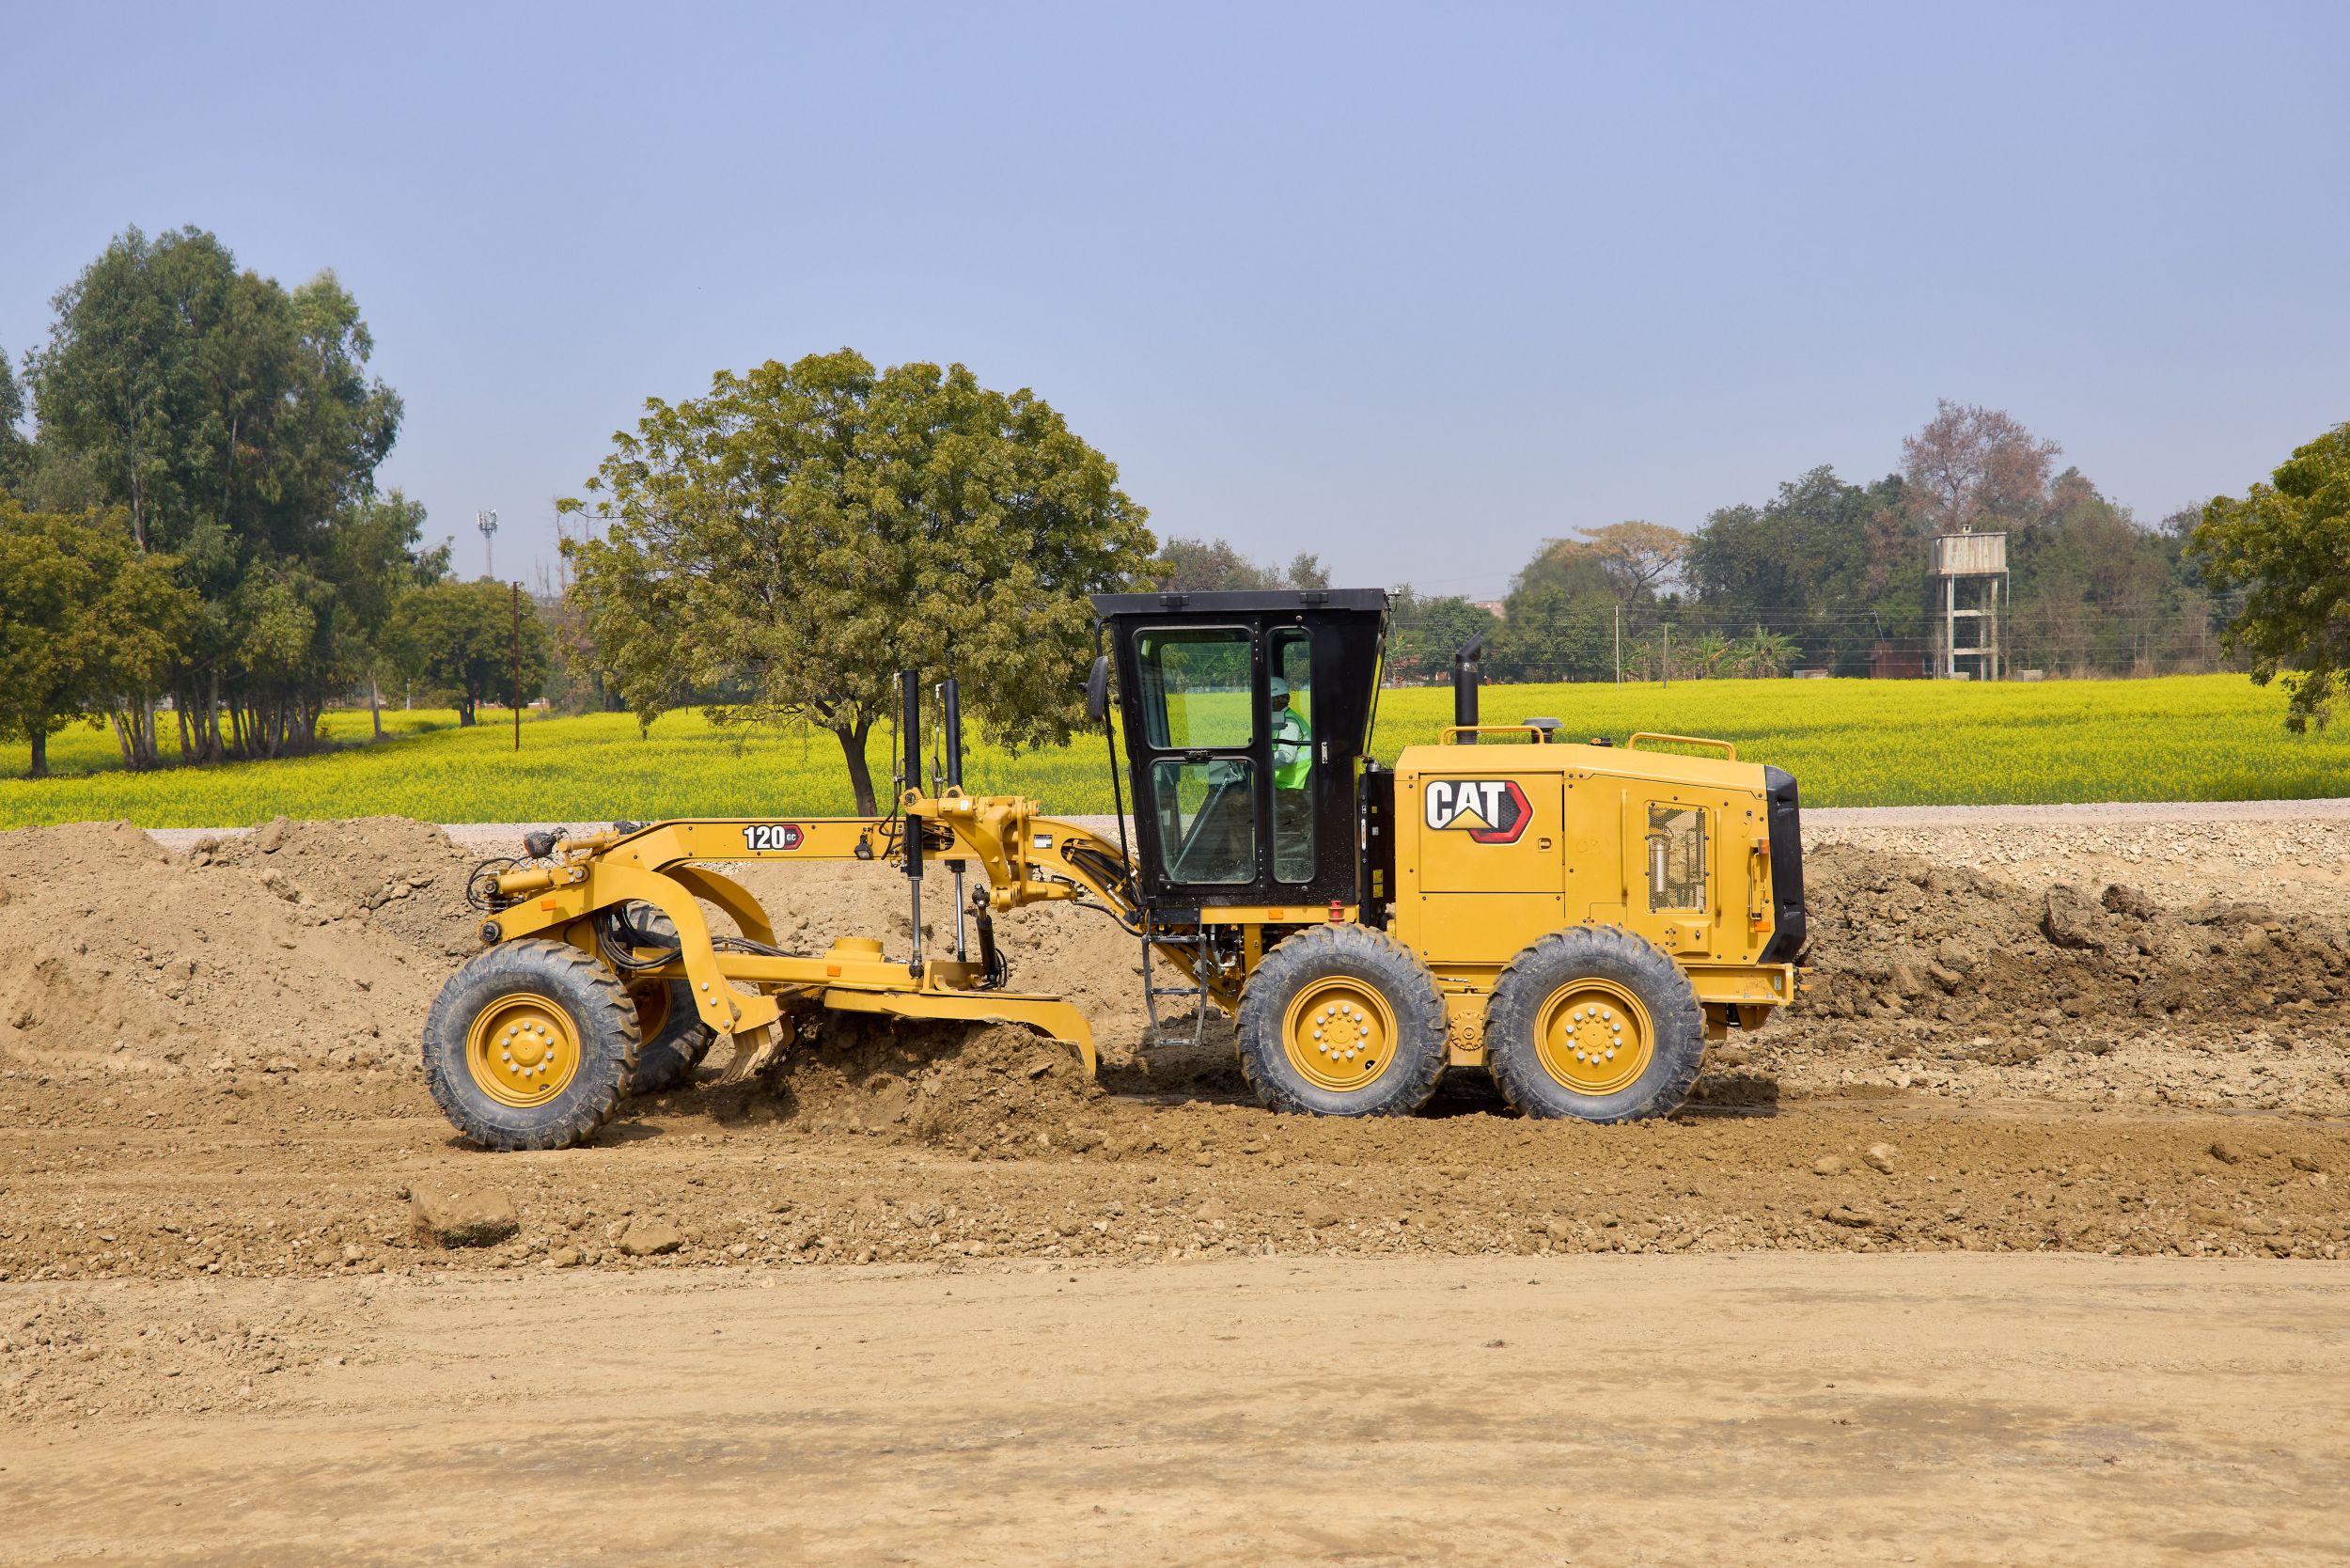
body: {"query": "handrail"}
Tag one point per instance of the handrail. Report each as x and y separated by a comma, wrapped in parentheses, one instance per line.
(1541, 735)
(1730, 751)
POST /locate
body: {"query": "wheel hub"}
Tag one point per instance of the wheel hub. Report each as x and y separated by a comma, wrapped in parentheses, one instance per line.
(1594, 1037)
(653, 1009)
(1339, 1033)
(523, 1050)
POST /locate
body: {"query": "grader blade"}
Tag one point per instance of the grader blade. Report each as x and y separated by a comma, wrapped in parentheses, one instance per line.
(1049, 1014)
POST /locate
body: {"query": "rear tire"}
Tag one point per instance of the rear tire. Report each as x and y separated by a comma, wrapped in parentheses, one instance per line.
(675, 1038)
(1594, 1025)
(1342, 1020)
(531, 1045)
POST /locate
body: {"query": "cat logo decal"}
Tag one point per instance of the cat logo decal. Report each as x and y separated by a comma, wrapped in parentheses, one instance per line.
(1489, 810)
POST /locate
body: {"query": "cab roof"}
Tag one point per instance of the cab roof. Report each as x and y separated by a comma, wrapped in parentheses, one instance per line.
(1243, 601)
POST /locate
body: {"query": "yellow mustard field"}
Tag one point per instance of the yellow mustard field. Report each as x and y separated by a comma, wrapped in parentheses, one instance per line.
(1849, 743)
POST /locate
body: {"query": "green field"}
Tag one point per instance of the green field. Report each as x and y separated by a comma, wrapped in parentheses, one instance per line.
(1852, 743)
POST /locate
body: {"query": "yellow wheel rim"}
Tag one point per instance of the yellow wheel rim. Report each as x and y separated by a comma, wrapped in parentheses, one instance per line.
(1594, 1037)
(653, 1009)
(523, 1050)
(1340, 1033)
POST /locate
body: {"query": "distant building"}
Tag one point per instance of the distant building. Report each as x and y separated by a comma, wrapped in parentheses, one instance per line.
(1495, 607)
(1889, 663)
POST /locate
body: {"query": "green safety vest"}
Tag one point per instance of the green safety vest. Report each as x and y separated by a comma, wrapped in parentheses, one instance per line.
(1292, 751)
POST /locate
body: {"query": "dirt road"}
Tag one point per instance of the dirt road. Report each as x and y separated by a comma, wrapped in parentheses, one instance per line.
(1738, 1409)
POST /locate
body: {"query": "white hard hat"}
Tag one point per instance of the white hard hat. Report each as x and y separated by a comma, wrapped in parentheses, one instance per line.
(1280, 687)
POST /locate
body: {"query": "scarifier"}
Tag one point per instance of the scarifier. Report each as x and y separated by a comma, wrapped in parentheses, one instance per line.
(1579, 919)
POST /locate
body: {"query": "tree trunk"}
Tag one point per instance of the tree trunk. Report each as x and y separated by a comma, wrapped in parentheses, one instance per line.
(465, 713)
(860, 774)
(40, 751)
(375, 706)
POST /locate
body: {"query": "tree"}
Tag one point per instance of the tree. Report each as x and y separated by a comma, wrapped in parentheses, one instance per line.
(1640, 559)
(459, 638)
(1207, 566)
(376, 560)
(809, 529)
(2287, 544)
(1805, 564)
(1425, 634)
(1764, 656)
(82, 614)
(16, 452)
(2091, 588)
(1559, 620)
(1974, 467)
(1213, 566)
(235, 424)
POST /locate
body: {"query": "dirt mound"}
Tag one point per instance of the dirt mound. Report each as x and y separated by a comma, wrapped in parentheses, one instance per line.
(283, 951)
(1898, 936)
(967, 1087)
(406, 876)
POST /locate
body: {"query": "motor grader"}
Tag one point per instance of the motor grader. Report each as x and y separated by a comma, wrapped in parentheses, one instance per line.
(1577, 919)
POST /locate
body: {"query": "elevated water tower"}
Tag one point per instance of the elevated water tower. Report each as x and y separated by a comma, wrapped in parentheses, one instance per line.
(1965, 578)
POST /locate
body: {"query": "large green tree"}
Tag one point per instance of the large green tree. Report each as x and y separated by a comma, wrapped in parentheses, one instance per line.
(2287, 545)
(1425, 632)
(1826, 563)
(1558, 622)
(808, 529)
(462, 639)
(235, 423)
(16, 450)
(83, 613)
(1213, 566)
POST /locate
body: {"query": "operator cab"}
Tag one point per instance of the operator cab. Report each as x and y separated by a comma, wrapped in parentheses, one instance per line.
(1246, 717)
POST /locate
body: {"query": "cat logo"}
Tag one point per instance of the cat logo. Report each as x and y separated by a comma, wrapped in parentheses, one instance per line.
(1489, 810)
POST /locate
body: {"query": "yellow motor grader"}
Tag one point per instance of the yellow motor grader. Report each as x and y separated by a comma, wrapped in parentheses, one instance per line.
(1579, 919)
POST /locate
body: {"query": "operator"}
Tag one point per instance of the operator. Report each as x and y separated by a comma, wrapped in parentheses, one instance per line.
(1293, 774)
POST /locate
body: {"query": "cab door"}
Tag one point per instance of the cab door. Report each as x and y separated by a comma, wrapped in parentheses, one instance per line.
(1196, 755)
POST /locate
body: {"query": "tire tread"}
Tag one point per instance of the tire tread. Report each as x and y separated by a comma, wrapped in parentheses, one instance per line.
(1422, 1027)
(1536, 974)
(600, 1009)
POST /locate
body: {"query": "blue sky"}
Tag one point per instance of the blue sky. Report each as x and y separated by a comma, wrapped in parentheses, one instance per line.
(1413, 288)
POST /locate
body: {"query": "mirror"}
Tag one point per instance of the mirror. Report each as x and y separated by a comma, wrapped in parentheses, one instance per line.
(1098, 690)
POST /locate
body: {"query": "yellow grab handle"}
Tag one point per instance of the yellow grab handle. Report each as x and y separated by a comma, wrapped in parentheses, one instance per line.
(1729, 750)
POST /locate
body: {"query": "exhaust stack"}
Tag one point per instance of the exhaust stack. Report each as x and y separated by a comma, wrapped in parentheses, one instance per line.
(1465, 687)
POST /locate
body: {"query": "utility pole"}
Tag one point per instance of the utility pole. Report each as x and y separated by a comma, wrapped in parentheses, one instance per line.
(518, 667)
(1620, 645)
(1668, 653)
(488, 523)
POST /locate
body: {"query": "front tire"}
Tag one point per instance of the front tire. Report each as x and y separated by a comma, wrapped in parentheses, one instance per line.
(531, 1045)
(1342, 1020)
(1594, 1025)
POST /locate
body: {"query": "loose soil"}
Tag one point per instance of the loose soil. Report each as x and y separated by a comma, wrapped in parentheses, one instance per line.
(208, 1071)
(884, 1302)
